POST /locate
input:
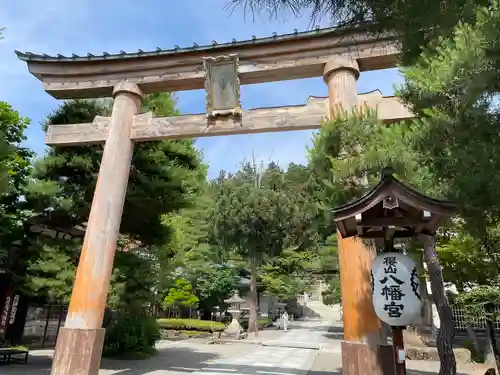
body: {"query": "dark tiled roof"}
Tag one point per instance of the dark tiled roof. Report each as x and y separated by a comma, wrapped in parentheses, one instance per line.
(29, 56)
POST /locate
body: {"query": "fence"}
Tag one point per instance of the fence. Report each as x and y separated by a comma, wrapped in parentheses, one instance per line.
(42, 325)
(461, 323)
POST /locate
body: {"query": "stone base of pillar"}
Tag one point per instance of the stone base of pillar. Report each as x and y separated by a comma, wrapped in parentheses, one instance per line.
(78, 352)
(366, 359)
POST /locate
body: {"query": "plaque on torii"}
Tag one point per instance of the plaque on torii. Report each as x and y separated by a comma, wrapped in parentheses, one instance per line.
(222, 86)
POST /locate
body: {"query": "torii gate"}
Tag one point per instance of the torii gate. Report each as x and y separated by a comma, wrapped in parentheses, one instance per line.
(339, 55)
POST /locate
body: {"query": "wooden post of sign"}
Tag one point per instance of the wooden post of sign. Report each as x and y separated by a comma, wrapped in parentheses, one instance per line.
(362, 328)
(79, 344)
(397, 331)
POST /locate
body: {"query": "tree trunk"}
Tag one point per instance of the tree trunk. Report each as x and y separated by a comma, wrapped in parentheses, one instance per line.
(424, 293)
(252, 321)
(448, 364)
(491, 353)
(471, 335)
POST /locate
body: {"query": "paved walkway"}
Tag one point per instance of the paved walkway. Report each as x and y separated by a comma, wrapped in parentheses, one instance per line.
(290, 353)
(278, 353)
(307, 349)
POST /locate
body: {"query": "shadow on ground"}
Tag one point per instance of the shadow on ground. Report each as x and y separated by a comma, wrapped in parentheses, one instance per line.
(167, 361)
(171, 359)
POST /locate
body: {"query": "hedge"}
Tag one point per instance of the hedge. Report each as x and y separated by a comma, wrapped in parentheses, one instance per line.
(191, 325)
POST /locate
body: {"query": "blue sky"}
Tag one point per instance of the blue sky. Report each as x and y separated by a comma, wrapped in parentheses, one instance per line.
(81, 26)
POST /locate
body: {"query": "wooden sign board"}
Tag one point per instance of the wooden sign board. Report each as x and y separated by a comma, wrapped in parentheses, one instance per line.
(222, 85)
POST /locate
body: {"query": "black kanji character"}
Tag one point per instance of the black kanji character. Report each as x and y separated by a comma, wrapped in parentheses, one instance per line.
(393, 292)
(372, 282)
(395, 279)
(384, 280)
(414, 282)
(394, 310)
(390, 263)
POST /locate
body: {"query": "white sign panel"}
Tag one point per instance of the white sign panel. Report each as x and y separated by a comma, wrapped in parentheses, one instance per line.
(396, 289)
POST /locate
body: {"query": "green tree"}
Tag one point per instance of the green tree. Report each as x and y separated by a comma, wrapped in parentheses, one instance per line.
(181, 296)
(254, 222)
(15, 172)
(331, 295)
(195, 253)
(465, 262)
(416, 23)
(289, 273)
(483, 302)
(453, 89)
(454, 94)
(165, 176)
(347, 156)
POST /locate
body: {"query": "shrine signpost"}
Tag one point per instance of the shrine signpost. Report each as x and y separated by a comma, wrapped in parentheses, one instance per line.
(339, 55)
(396, 297)
(389, 210)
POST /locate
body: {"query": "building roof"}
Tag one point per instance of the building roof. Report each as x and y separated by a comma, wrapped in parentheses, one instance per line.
(394, 204)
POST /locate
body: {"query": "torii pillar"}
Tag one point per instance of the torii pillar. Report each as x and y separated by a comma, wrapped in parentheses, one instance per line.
(363, 337)
(79, 344)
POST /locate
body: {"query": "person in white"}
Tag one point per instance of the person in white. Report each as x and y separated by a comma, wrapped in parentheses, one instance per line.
(284, 319)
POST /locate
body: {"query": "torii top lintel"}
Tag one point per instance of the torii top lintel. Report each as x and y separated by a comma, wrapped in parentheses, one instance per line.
(395, 205)
(275, 58)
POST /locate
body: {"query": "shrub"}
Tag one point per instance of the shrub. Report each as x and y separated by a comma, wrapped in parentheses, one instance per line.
(131, 336)
(191, 325)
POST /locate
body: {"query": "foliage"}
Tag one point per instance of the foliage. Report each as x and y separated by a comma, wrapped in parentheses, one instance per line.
(289, 274)
(350, 151)
(454, 89)
(481, 302)
(215, 285)
(198, 258)
(465, 261)
(131, 336)
(132, 283)
(165, 176)
(191, 325)
(416, 23)
(454, 92)
(52, 270)
(15, 171)
(331, 295)
(181, 295)
(251, 220)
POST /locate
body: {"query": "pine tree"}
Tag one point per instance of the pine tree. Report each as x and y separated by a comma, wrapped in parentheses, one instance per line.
(164, 178)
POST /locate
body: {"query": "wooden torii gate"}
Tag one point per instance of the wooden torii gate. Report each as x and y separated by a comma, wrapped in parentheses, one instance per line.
(339, 55)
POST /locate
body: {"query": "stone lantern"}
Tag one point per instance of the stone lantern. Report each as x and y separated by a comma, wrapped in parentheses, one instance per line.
(234, 328)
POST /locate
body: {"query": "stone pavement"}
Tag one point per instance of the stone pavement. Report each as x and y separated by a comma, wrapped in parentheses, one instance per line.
(307, 349)
(278, 354)
(290, 353)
